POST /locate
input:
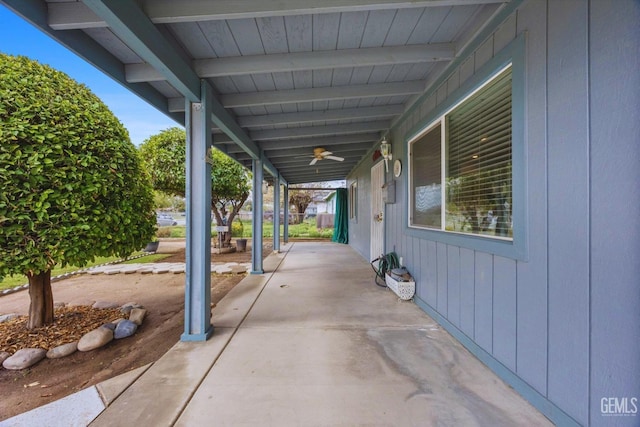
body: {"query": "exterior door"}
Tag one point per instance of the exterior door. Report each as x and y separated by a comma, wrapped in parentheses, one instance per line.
(377, 211)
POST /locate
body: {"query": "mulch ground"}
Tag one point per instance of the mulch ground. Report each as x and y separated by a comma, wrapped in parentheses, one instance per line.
(70, 324)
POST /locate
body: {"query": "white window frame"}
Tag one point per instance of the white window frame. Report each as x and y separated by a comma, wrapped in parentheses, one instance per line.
(353, 201)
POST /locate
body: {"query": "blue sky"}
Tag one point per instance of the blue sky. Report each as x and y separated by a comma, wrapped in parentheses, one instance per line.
(18, 37)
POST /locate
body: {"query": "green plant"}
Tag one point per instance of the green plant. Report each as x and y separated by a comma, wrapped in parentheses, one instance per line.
(163, 232)
(237, 229)
(165, 158)
(73, 187)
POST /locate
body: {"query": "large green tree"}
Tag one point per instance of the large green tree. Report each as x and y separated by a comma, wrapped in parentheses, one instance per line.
(72, 185)
(165, 157)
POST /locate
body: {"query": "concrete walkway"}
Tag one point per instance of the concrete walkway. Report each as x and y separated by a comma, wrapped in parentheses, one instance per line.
(314, 342)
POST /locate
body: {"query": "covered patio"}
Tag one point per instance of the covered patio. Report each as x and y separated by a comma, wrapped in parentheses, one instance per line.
(272, 84)
(313, 341)
(304, 91)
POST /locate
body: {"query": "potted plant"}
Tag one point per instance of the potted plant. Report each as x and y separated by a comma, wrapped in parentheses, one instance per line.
(152, 246)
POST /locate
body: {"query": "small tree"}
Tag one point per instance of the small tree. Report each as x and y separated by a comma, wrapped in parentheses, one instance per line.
(230, 187)
(73, 187)
(165, 156)
(300, 199)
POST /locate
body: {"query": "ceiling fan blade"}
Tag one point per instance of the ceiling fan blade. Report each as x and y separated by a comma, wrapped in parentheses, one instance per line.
(326, 153)
(339, 159)
(313, 162)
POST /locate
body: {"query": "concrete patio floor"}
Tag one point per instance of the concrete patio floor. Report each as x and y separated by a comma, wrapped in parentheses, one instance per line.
(314, 342)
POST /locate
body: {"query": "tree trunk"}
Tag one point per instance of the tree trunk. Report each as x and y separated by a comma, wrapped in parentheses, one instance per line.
(41, 306)
(227, 237)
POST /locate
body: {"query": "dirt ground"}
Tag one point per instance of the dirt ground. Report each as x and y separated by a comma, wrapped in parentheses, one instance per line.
(161, 294)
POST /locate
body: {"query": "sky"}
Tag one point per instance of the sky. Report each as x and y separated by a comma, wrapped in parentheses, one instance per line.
(18, 37)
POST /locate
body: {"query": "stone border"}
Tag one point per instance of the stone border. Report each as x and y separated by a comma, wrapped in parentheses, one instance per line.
(133, 315)
(179, 267)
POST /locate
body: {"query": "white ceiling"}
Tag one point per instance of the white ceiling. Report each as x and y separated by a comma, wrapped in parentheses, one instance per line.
(287, 75)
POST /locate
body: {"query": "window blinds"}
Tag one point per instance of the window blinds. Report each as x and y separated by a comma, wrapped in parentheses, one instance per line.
(478, 161)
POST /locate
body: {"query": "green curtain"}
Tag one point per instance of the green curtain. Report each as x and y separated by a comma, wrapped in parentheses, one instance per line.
(341, 221)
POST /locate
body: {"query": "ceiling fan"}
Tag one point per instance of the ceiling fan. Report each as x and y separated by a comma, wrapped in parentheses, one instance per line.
(320, 153)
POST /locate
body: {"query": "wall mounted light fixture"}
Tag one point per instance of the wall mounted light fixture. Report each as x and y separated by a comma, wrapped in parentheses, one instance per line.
(385, 150)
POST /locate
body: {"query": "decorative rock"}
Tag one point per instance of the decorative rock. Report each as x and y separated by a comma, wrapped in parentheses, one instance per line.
(110, 325)
(105, 304)
(4, 356)
(137, 315)
(95, 339)
(62, 350)
(126, 328)
(126, 309)
(24, 358)
(7, 317)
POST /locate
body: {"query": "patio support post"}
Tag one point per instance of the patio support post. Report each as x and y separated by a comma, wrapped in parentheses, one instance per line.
(256, 239)
(197, 320)
(285, 231)
(276, 214)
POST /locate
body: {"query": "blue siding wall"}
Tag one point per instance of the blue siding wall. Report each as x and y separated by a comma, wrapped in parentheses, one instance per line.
(563, 321)
(568, 195)
(532, 296)
(614, 211)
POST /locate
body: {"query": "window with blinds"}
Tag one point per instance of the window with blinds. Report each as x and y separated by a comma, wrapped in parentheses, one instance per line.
(474, 182)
